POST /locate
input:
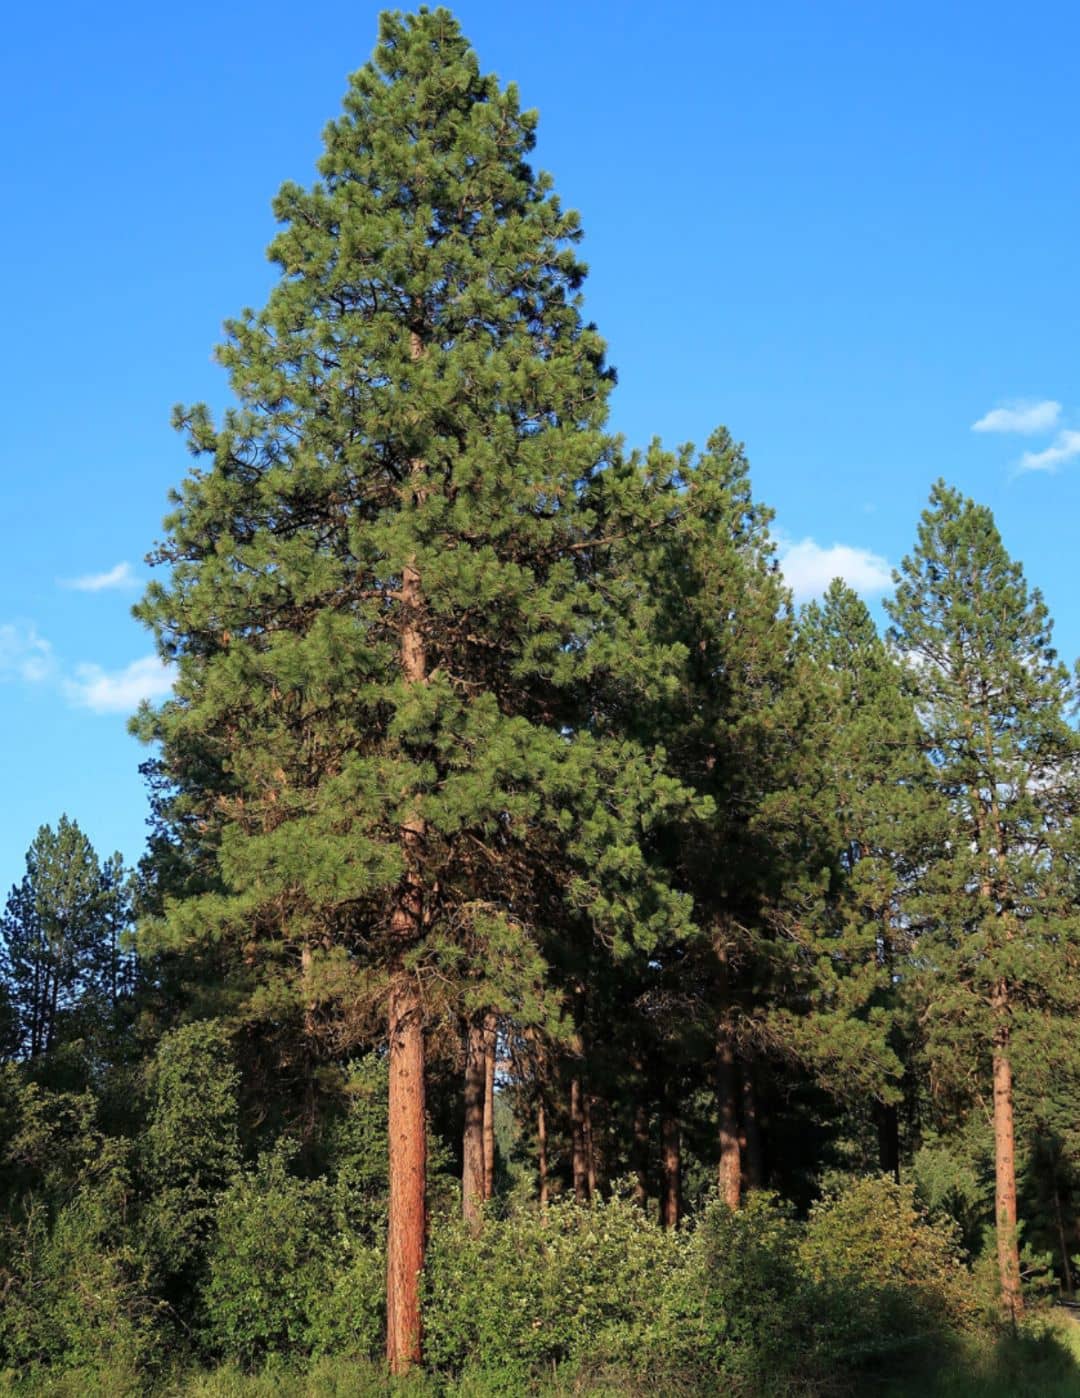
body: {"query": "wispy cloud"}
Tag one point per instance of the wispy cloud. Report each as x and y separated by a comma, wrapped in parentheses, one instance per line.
(809, 568)
(27, 658)
(119, 691)
(1065, 447)
(1023, 416)
(122, 576)
(24, 655)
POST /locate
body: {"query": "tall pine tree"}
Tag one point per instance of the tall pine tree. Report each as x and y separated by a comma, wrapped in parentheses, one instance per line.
(380, 600)
(999, 931)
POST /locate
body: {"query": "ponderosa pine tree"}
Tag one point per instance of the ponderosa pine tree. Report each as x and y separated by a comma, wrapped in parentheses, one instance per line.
(708, 592)
(868, 797)
(999, 930)
(380, 602)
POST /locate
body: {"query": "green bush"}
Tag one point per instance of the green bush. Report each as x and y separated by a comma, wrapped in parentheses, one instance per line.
(285, 1277)
(77, 1294)
(544, 1287)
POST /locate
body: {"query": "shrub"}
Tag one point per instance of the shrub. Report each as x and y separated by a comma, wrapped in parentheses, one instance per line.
(284, 1276)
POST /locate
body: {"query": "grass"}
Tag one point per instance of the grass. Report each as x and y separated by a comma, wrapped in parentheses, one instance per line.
(1043, 1361)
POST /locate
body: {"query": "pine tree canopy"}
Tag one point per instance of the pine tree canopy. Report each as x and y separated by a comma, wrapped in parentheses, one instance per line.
(382, 592)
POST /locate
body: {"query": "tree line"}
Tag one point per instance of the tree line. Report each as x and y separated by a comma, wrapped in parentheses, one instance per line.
(499, 760)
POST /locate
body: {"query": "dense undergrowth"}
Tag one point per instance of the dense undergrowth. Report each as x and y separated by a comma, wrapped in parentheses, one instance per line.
(282, 1294)
(172, 1262)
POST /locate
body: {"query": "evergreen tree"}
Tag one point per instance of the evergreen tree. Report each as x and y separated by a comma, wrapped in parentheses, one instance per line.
(708, 592)
(999, 929)
(61, 933)
(852, 1029)
(380, 600)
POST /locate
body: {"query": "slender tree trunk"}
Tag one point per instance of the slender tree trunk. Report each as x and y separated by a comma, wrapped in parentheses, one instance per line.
(730, 1167)
(753, 1156)
(407, 1127)
(577, 1142)
(541, 1152)
(1012, 1300)
(641, 1155)
(671, 1155)
(472, 1155)
(1063, 1241)
(490, 1045)
(590, 1146)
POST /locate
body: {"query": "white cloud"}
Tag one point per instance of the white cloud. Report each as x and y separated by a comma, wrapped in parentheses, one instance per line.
(808, 569)
(24, 655)
(122, 575)
(1065, 447)
(1023, 416)
(119, 691)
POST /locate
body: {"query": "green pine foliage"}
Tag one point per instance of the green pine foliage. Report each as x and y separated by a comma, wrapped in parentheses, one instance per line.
(773, 915)
(420, 396)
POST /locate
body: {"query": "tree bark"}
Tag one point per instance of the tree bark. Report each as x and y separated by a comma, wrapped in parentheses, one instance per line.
(472, 1155)
(754, 1155)
(407, 1127)
(590, 1147)
(641, 1155)
(671, 1155)
(490, 1044)
(730, 1167)
(541, 1152)
(577, 1143)
(1012, 1300)
(408, 1169)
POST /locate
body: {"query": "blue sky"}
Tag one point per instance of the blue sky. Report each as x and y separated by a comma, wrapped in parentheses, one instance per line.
(847, 231)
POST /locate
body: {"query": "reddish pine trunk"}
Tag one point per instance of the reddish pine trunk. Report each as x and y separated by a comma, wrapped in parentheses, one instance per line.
(1012, 1300)
(671, 1156)
(641, 1155)
(753, 1156)
(472, 1169)
(408, 1165)
(490, 1027)
(730, 1168)
(407, 1127)
(590, 1149)
(577, 1143)
(541, 1151)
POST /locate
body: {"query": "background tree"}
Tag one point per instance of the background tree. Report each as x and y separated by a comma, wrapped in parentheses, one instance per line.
(999, 939)
(853, 1025)
(62, 931)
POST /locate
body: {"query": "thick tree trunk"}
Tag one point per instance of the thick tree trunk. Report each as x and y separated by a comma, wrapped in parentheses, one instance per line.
(730, 1167)
(1012, 1300)
(407, 1127)
(541, 1152)
(671, 1156)
(490, 1044)
(408, 1169)
(577, 1142)
(472, 1155)
(641, 1155)
(754, 1154)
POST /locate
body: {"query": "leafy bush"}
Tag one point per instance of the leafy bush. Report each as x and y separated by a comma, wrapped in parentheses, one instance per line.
(543, 1287)
(191, 1148)
(76, 1290)
(285, 1277)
